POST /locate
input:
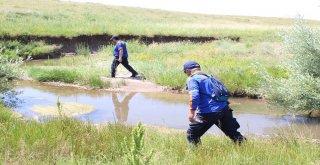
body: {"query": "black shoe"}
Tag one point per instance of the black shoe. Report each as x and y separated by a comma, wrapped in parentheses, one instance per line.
(134, 75)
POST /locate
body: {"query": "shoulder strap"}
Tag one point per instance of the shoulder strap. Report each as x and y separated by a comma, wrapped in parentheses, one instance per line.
(201, 73)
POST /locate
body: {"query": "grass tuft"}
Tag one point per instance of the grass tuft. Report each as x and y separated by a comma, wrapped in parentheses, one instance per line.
(83, 49)
(53, 75)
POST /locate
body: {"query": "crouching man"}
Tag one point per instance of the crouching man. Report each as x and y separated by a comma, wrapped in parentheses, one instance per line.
(208, 105)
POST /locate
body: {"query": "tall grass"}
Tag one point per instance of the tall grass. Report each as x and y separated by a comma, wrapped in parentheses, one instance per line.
(53, 75)
(232, 62)
(68, 75)
(83, 70)
(83, 49)
(67, 141)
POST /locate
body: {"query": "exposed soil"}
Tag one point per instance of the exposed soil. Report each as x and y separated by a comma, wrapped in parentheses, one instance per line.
(126, 84)
(94, 42)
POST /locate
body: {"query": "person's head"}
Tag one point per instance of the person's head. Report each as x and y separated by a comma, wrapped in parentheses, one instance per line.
(190, 67)
(115, 38)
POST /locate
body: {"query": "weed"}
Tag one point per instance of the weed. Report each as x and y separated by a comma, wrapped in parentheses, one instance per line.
(83, 49)
(135, 152)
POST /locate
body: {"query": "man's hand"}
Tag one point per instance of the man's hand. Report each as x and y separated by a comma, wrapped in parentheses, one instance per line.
(191, 116)
(120, 59)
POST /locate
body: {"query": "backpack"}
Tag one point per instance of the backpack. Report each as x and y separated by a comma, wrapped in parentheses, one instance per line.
(219, 93)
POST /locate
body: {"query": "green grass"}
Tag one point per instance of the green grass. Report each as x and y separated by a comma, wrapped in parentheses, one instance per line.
(235, 63)
(67, 141)
(83, 49)
(53, 75)
(15, 49)
(81, 70)
(56, 18)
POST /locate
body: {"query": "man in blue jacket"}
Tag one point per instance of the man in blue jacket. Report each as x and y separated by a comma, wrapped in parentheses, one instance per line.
(120, 57)
(205, 110)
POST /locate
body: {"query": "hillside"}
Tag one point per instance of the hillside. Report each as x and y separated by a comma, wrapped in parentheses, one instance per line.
(56, 18)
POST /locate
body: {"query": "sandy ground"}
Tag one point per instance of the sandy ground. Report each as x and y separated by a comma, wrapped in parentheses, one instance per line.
(128, 84)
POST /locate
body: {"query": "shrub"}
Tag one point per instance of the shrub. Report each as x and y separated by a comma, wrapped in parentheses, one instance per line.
(301, 89)
(304, 43)
(9, 70)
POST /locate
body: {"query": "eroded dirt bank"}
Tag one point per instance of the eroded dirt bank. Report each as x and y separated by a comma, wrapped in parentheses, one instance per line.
(94, 42)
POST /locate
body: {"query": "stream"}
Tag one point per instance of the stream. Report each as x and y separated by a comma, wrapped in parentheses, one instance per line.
(158, 109)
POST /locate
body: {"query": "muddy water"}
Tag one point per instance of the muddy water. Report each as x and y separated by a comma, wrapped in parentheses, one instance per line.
(161, 109)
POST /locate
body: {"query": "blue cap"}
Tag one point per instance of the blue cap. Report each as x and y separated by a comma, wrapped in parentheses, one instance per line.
(115, 36)
(191, 65)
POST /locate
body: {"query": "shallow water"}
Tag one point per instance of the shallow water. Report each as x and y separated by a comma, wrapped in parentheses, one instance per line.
(161, 109)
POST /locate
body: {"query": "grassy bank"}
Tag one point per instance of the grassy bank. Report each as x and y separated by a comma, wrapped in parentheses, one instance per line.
(56, 18)
(236, 64)
(67, 141)
(15, 49)
(80, 70)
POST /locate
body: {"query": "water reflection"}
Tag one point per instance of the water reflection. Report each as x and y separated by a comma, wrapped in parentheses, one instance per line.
(11, 98)
(121, 109)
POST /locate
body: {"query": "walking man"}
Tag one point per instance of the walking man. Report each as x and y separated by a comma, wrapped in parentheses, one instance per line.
(208, 105)
(120, 57)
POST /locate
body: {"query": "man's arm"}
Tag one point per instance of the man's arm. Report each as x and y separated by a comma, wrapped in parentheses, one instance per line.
(120, 54)
(193, 88)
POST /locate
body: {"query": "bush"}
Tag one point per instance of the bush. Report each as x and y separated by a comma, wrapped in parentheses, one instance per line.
(9, 70)
(301, 89)
(304, 43)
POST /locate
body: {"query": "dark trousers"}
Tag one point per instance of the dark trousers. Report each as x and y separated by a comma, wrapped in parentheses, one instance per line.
(223, 119)
(125, 63)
